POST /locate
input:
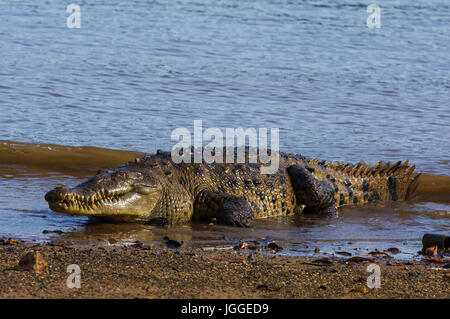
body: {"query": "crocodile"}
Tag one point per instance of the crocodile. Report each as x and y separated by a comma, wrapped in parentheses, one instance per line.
(155, 188)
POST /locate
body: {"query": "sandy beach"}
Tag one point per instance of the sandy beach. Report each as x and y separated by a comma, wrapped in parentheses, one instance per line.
(144, 272)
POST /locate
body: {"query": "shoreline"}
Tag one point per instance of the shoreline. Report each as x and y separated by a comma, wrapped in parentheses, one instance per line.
(172, 273)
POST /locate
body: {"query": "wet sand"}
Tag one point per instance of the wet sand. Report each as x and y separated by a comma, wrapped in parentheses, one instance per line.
(144, 272)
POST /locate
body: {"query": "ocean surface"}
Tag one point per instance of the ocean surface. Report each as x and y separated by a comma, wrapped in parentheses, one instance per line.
(136, 70)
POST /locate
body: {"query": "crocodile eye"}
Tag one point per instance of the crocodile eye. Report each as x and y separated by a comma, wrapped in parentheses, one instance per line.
(121, 174)
(143, 189)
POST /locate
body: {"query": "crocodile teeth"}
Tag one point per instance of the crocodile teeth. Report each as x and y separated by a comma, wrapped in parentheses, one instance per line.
(91, 201)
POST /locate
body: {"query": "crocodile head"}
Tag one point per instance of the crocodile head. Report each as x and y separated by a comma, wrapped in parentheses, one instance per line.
(123, 194)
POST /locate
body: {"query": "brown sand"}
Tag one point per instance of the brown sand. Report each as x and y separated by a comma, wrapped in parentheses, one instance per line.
(185, 273)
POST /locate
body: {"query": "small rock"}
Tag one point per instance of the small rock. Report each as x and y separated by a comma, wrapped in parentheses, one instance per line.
(343, 253)
(362, 289)
(51, 243)
(173, 244)
(267, 288)
(170, 243)
(317, 250)
(334, 270)
(230, 260)
(393, 250)
(434, 260)
(52, 231)
(160, 221)
(431, 251)
(112, 241)
(11, 241)
(274, 247)
(323, 262)
(379, 254)
(250, 246)
(33, 261)
(357, 259)
(137, 244)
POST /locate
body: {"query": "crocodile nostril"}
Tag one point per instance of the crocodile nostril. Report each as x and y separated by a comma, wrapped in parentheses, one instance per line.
(51, 195)
(58, 193)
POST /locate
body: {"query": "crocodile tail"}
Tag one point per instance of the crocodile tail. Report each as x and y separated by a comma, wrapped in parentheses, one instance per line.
(362, 183)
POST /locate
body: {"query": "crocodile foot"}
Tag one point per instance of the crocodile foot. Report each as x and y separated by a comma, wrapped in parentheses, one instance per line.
(235, 213)
(316, 195)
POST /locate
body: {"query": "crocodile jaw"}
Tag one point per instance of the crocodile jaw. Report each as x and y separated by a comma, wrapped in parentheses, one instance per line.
(127, 204)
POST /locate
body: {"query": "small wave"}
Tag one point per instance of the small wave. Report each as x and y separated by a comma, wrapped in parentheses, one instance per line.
(46, 159)
(433, 188)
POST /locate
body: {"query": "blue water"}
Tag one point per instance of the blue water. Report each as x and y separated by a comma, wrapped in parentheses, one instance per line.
(136, 70)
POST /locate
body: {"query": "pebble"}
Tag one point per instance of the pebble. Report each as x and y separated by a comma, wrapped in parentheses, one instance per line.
(393, 250)
(33, 261)
(362, 289)
(274, 247)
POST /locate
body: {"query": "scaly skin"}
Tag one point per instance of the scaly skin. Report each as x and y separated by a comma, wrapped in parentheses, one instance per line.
(155, 187)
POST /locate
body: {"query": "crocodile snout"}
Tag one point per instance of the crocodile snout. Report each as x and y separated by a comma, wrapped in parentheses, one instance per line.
(57, 194)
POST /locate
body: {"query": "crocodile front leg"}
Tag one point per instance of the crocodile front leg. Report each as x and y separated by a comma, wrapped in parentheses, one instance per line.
(316, 195)
(227, 209)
